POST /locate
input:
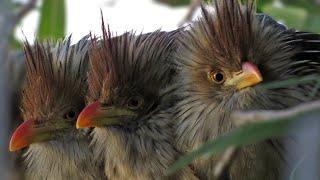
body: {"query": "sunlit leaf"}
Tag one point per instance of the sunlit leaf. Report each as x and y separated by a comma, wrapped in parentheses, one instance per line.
(52, 21)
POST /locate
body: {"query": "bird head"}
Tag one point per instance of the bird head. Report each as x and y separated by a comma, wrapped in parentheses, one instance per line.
(125, 78)
(53, 94)
(229, 53)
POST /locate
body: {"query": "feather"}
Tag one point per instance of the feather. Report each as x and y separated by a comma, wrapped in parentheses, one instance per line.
(126, 66)
(55, 85)
(221, 41)
(52, 73)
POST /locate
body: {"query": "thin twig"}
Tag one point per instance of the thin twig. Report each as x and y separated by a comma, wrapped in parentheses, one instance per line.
(8, 21)
(25, 9)
(221, 169)
(192, 9)
(243, 118)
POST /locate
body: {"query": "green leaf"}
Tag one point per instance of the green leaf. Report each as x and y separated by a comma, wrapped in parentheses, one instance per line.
(292, 16)
(261, 4)
(245, 135)
(291, 82)
(310, 6)
(14, 43)
(52, 20)
(294, 13)
(175, 2)
(312, 23)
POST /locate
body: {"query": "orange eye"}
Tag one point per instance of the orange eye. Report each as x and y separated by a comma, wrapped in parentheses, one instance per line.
(217, 77)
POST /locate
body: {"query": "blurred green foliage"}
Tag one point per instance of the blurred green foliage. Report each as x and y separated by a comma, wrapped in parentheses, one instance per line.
(252, 132)
(52, 24)
(239, 137)
(303, 15)
(52, 20)
(175, 2)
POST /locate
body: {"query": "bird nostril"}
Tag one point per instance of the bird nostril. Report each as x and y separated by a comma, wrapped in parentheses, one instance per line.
(239, 72)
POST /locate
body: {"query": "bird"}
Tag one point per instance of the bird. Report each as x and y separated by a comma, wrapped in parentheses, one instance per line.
(127, 103)
(225, 57)
(52, 96)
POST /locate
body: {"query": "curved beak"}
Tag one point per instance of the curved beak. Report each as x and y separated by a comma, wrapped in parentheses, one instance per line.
(248, 77)
(31, 131)
(96, 115)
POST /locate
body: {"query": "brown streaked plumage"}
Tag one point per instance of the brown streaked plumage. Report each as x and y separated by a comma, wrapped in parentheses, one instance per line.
(52, 97)
(224, 57)
(132, 132)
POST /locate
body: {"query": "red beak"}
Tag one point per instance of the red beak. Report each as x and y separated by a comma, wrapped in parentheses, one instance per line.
(87, 116)
(95, 115)
(31, 131)
(22, 136)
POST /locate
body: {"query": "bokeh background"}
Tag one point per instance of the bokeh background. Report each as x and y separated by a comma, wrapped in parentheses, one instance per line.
(54, 19)
(78, 17)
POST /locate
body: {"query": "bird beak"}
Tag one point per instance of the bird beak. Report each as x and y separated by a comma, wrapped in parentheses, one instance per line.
(96, 115)
(249, 76)
(31, 131)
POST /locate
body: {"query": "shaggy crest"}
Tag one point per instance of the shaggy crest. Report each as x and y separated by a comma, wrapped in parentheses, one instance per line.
(53, 95)
(222, 41)
(128, 73)
(54, 76)
(117, 62)
(230, 35)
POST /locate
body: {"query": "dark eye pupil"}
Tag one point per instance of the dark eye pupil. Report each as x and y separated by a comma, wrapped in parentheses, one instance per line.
(70, 115)
(218, 77)
(134, 102)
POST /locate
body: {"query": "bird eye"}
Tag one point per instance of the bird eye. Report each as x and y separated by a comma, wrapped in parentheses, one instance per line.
(70, 115)
(217, 77)
(135, 102)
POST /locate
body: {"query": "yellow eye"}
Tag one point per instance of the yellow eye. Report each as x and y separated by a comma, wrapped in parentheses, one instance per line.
(217, 77)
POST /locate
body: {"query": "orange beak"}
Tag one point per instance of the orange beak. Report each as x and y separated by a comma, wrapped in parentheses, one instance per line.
(22, 136)
(87, 116)
(248, 77)
(95, 115)
(31, 131)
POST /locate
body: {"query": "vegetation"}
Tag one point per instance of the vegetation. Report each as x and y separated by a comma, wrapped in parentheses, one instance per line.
(303, 15)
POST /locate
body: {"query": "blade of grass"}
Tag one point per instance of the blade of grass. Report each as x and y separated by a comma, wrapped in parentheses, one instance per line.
(290, 82)
(52, 21)
(245, 135)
